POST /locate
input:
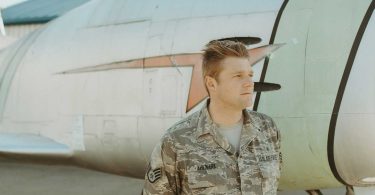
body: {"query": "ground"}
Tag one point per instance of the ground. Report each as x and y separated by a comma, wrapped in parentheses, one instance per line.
(26, 179)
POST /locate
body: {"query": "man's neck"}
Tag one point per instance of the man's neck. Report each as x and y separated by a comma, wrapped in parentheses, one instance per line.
(224, 115)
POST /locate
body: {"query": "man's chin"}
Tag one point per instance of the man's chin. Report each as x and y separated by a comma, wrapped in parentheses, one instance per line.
(248, 104)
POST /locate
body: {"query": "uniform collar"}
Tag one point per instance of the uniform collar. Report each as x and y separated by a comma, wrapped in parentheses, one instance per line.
(206, 126)
(250, 128)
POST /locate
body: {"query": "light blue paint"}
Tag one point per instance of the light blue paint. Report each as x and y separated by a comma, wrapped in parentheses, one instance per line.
(30, 143)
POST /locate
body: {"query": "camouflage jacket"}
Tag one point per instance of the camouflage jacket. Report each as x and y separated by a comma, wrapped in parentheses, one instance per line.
(193, 158)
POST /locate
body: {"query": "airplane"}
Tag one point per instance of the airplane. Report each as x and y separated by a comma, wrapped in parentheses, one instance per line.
(99, 86)
(2, 28)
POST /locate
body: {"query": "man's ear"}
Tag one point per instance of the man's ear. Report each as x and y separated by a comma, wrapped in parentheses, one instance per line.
(210, 83)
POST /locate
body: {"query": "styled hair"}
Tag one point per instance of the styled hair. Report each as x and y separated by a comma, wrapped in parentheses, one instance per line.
(216, 51)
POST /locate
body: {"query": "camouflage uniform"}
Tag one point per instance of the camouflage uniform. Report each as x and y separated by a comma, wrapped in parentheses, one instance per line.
(193, 158)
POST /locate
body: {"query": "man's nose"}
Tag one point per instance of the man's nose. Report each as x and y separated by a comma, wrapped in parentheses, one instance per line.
(249, 83)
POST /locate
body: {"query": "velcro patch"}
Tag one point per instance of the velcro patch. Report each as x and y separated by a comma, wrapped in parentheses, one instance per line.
(206, 167)
(153, 175)
(267, 157)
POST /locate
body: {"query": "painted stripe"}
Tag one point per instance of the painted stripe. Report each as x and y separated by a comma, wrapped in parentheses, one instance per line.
(341, 90)
(197, 91)
(266, 61)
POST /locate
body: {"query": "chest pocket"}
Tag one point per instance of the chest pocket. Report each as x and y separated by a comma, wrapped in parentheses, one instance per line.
(206, 179)
(267, 156)
(208, 170)
(269, 168)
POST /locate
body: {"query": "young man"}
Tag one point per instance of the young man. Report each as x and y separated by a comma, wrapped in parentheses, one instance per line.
(223, 148)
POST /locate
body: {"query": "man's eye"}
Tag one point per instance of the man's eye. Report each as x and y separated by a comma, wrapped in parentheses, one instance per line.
(237, 75)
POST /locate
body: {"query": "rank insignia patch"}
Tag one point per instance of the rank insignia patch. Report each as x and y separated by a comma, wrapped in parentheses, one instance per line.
(154, 175)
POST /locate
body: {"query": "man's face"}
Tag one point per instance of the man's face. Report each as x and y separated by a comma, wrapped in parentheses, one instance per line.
(234, 86)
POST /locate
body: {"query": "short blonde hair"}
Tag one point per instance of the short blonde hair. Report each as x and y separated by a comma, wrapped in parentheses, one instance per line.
(216, 51)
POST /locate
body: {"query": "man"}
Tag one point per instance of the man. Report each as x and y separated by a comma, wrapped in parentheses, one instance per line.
(223, 148)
